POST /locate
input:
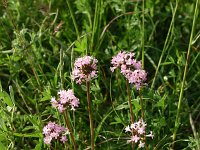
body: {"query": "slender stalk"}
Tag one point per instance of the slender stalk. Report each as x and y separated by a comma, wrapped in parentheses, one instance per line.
(72, 84)
(142, 34)
(61, 68)
(62, 86)
(129, 101)
(94, 27)
(70, 129)
(141, 103)
(167, 41)
(130, 108)
(90, 115)
(194, 131)
(177, 122)
(142, 113)
(73, 19)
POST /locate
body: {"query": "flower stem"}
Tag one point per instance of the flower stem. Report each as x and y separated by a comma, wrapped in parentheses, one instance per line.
(141, 103)
(177, 121)
(130, 107)
(90, 115)
(61, 65)
(70, 129)
(142, 113)
(74, 20)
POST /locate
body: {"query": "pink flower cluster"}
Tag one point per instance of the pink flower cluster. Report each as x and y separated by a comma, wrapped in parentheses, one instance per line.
(138, 128)
(129, 67)
(54, 131)
(85, 69)
(66, 98)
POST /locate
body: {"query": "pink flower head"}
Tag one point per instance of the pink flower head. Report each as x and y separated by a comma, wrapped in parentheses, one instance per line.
(54, 131)
(66, 98)
(138, 128)
(85, 69)
(137, 77)
(130, 68)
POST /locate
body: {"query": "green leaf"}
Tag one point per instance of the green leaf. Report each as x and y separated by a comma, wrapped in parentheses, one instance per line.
(117, 121)
(162, 122)
(2, 147)
(28, 134)
(136, 106)
(81, 45)
(6, 98)
(101, 123)
(2, 137)
(161, 102)
(97, 101)
(38, 146)
(122, 106)
(3, 124)
(46, 95)
(28, 128)
(84, 88)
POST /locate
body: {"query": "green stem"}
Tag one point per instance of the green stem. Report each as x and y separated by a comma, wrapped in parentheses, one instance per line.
(141, 103)
(70, 129)
(177, 121)
(61, 68)
(142, 34)
(142, 113)
(94, 27)
(73, 19)
(90, 115)
(129, 101)
(165, 45)
(130, 108)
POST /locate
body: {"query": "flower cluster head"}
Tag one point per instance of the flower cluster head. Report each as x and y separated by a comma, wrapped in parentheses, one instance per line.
(54, 131)
(138, 128)
(66, 99)
(85, 68)
(130, 68)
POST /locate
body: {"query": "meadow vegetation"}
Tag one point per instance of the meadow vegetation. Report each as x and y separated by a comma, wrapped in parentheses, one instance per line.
(43, 44)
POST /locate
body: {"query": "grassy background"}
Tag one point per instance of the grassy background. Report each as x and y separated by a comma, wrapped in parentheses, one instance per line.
(40, 39)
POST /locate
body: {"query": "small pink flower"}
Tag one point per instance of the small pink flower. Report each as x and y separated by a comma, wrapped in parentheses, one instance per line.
(51, 125)
(46, 130)
(150, 135)
(60, 108)
(134, 125)
(141, 130)
(142, 123)
(127, 129)
(54, 135)
(54, 102)
(135, 138)
(47, 140)
(63, 139)
(141, 144)
(63, 96)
